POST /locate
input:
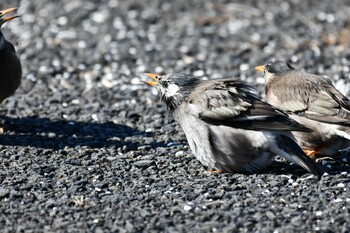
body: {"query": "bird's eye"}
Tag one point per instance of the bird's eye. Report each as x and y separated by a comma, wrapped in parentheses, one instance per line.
(165, 84)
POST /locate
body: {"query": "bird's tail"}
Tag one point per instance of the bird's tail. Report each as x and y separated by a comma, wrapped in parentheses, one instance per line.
(290, 150)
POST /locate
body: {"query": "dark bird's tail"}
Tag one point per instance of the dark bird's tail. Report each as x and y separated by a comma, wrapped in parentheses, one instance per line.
(295, 154)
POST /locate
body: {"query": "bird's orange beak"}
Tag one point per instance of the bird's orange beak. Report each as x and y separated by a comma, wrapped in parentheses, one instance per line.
(260, 68)
(154, 77)
(5, 12)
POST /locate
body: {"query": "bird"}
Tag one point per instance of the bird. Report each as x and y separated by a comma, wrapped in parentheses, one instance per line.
(228, 128)
(313, 101)
(10, 65)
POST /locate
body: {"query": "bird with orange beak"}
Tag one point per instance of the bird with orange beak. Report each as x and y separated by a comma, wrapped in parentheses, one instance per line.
(10, 66)
(313, 101)
(227, 127)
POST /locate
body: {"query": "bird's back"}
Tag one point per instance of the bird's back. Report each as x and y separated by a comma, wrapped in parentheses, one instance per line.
(312, 96)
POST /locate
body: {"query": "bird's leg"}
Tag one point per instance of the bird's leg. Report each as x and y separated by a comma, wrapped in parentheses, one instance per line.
(215, 171)
(1, 127)
(311, 153)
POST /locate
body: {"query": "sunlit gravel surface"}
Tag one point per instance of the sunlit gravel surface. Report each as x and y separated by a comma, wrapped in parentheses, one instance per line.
(87, 147)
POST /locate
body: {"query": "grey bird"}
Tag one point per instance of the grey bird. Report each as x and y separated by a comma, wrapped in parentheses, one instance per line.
(313, 101)
(10, 66)
(227, 127)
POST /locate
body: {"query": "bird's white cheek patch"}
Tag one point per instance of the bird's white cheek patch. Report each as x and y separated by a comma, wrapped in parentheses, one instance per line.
(172, 90)
(268, 77)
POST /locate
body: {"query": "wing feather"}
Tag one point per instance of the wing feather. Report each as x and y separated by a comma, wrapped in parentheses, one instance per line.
(234, 103)
(311, 96)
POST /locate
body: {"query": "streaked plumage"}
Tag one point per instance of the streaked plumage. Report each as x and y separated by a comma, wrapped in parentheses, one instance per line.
(313, 101)
(227, 127)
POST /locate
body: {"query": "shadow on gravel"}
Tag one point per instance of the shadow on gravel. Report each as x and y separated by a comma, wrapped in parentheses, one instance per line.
(44, 133)
(332, 165)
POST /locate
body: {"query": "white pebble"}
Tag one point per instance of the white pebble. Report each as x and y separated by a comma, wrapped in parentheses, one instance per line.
(198, 73)
(187, 207)
(294, 58)
(217, 76)
(76, 101)
(107, 83)
(321, 16)
(330, 18)
(135, 81)
(43, 69)
(62, 20)
(132, 50)
(244, 67)
(94, 117)
(255, 37)
(82, 44)
(187, 59)
(179, 153)
(141, 69)
(99, 17)
(158, 70)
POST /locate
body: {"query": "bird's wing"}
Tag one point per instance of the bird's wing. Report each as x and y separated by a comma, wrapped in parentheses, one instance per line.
(234, 103)
(313, 97)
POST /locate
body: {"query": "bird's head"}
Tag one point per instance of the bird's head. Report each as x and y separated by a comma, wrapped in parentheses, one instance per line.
(174, 88)
(275, 68)
(5, 12)
(4, 45)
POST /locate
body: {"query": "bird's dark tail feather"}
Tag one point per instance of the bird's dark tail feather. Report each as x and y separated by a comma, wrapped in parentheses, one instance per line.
(298, 156)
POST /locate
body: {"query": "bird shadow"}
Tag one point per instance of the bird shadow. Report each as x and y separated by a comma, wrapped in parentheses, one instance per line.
(331, 166)
(45, 133)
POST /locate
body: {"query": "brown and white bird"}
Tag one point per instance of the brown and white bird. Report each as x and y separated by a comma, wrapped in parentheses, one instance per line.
(10, 66)
(313, 101)
(227, 127)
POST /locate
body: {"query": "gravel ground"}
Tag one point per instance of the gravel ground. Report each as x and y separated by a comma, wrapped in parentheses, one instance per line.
(87, 147)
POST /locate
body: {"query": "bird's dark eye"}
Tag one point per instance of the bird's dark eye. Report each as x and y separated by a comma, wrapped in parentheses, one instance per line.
(165, 84)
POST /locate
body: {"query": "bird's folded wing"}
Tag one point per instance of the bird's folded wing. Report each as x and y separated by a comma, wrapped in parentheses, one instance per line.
(331, 106)
(324, 103)
(237, 106)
